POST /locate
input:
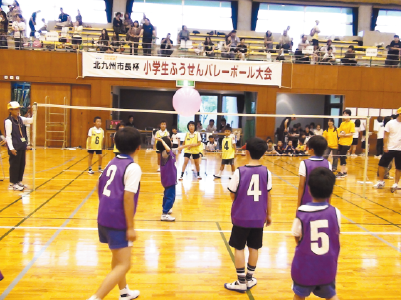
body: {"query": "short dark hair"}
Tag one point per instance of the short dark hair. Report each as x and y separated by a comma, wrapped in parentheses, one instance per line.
(242, 39)
(119, 125)
(394, 117)
(270, 141)
(223, 119)
(127, 140)
(256, 147)
(380, 119)
(318, 144)
(386, 119)
(347, 111)
(211, 137)
(160, 146)
(302, 140)
(189, 123)
(118, 13)
(396, 36)
(183, 26)
(174, 128)
(330, 48)
(211, 120)
(357, 123)
(321, 183)
(351, 47)
(96, 118)
(228, 127)
(130, 116)
(163, 121)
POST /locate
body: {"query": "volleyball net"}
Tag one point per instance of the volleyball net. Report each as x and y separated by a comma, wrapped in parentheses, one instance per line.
(244, 126)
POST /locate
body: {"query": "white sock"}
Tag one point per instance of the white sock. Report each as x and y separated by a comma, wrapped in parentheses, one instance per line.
(94, 297)
(124, 290)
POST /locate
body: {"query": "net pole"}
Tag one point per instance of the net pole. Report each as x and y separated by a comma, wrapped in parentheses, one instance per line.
(35, 111)
(365, 169)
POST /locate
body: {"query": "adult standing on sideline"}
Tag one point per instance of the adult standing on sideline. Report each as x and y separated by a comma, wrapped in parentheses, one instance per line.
(284, 128)
(315, 34)
(147, 33)
(17, 141)
(32, 23)
(345, 132)
(130, 122)
(391, 149)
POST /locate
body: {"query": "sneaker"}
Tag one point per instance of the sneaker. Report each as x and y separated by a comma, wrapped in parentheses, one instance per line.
(199, 177)
(192, 168)
(167, 218)
(181, 178)
(394, 187)
(229, 178)
(334, 170)
(345, 174)
(379, 185)
(91, 171)
(17, 187)
(339, 175)
(216, 176)
(170, 211)
(100, 170)
(10, 186)
(236, 286)
(23, 185)
(251, 283)
(158, 170)
(127, 294)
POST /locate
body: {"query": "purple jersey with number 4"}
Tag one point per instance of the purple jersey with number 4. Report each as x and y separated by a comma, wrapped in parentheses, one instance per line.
(310, 165)
(111, 194)
(250, 204)
(168, 170)
(316, 255)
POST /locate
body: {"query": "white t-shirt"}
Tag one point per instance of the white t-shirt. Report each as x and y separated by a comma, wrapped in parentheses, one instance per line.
(132, 177)
(380, 132)
(9, 129)
(297, 225)
(356, 133)
(326, 47)
(329, 56)
(95, 129)
(211, 146)
(302, 167)
(318, 132)
(234, 182)
(393, 127)
(175, 139)
(18, 28)
(211, 129)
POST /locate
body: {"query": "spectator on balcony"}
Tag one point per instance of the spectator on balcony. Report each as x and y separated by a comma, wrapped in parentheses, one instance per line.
(208, 47)
(269, 41)
(225, 50)
(116, 45)
(3, 30)
(284, 41)
(10, 14)
(147, 33)
(242, 49)
(303, 43)
(280, 55)
(44, 26)
(393, 54)
(118, 25)
(167, 46)
(134, 35)
(315, 34)
(233, 41)
(104, 41)
(329, 44)
(76, 35)
(32, 23)
(317, 54)
(183, 34)
(127, 24)
(19, 32)
(16, 10)
(329, 57)
(78, 18)
(349, 58)
(64, 19)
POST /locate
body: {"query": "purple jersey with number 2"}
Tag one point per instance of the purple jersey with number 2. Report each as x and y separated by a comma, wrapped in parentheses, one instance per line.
(111, 194)
(310, 165)
(250, 204)
(316, 255)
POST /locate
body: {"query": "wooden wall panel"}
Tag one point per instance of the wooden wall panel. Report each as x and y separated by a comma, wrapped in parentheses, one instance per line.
(326, 77)
(79, 120)
(352, 99)
(5, 97)
(349, 78)
(391, 100)
(303, 76)
(373, 79)
(392, 80)
(371, 99)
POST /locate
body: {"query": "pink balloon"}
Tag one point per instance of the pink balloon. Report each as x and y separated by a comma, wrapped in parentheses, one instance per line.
(187, 101)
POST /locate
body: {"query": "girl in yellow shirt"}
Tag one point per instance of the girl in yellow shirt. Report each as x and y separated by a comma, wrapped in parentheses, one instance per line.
(346, 133)
(331, 136)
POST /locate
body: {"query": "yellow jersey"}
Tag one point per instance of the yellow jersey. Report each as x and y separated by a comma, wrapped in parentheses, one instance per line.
(96, 135)
(161, 134)
(331, 136)
(347, 127)
(227, 147)
(193, 138)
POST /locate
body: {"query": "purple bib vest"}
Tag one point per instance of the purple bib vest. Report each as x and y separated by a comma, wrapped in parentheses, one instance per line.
(111, 194)
(168, 170)
(310, 165)
(316, 255)
(245, 211)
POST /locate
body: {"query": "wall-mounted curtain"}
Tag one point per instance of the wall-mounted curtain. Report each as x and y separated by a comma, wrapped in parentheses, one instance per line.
(109, 10)
(254, 17)
(130, 3)
(375, 14)
(355, 14)
(234, 14)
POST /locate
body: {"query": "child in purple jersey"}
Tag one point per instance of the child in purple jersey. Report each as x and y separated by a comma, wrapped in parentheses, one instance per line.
(251, 210)
(317, 145)
(118, 189)
(168, 175)
(317, 232)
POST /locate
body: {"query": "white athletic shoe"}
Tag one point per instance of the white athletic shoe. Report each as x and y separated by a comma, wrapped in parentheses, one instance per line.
(23, 185)
(127, 294)
(181, 178)
(251, 283)
(158, 170)
(199, 177)
(192, 168)
(394, 187)
(379, 185)
(236, 286)
(10, 186)
(91, 172)
(101, 170)
(170, 211)
(217, 176)
(17, 187)
(167, 218)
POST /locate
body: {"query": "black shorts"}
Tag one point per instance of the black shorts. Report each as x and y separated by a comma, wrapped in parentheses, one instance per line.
(194, 156)
(252, 237)
(77, 40)
(227, 161)
(355, 141)
(363, 146)
(158, 152)
(387, 157)
(175, 146)
(95, 151)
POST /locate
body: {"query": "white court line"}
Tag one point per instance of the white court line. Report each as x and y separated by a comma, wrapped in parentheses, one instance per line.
(187, 230)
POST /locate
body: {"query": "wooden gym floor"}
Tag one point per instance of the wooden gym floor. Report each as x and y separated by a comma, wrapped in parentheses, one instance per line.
(49, 247)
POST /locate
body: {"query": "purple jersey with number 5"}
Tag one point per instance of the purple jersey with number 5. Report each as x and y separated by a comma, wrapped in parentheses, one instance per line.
(250, 204)
(316, 255)
(111, 194)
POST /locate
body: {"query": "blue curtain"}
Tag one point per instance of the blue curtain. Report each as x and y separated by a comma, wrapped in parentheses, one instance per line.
(375, 14)
(109, 10)
(234, 14)
(254, 17)
(130, 3)
(355, 14)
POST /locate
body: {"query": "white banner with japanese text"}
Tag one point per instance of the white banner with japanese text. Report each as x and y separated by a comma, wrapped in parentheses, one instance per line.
(173, 68)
